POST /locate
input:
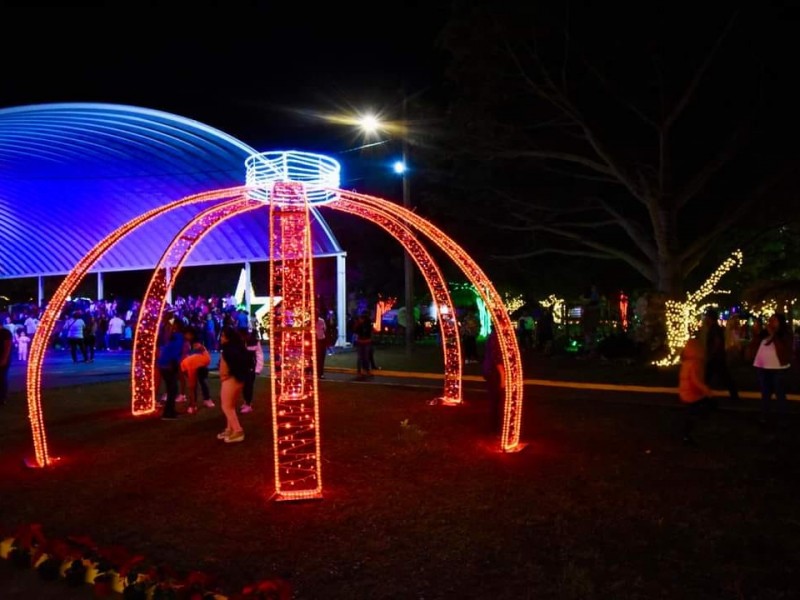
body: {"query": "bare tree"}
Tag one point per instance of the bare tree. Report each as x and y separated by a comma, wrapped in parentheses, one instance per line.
(658, 152)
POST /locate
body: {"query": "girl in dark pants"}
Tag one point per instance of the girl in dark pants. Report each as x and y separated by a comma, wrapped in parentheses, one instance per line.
(772, 358)
(256, 354)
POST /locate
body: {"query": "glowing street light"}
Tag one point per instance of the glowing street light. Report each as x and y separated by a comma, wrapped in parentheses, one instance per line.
(370, 124)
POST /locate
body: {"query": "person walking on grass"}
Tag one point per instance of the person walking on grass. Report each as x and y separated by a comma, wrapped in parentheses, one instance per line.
(168, 363)
(234, 367)
(5, 362)
(692, 388)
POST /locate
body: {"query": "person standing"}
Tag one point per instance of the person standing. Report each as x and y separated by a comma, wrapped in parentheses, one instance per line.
(22, 345)
(363, 332)
(90, 337)
(322, 344)
(168, 363)
(31, 324)
(75, 327)
(233, 370)
(692, 389)
(115, 328)
(773, 357)
(717, 372)
(5, 363)
(255, 354)
(471, 328)
(494, 372)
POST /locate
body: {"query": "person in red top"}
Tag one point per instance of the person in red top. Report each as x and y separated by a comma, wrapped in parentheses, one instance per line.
(773, 357)
(692, 388)
(5, 362)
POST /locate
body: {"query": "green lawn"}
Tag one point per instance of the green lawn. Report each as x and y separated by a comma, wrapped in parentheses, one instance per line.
(603, 503)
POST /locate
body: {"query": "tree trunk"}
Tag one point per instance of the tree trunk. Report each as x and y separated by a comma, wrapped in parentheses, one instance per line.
(670, 275)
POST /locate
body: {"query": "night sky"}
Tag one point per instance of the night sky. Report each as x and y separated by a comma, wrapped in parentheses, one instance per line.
(257, 73)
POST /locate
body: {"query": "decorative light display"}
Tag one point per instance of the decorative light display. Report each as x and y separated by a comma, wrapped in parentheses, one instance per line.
(57, 302)
(289, 183)
(381, 307)
(682, 317)
(512, 409)
(448, 326)
(623, 310)
(556, 306)
(293, 369)
(483, 315)
(513, 303)
(151, 314)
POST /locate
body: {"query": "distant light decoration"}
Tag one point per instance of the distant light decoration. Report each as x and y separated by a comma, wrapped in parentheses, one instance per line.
(512, 407)
(623, 310)
(483, 315)
(295, 395)
(448, 326)
(151, 314)
(382, 306)
(682, 317)
(513, 303)
(556, 307)
(57, 302)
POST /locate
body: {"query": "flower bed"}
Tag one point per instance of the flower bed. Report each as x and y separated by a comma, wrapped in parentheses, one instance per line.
(78, 560)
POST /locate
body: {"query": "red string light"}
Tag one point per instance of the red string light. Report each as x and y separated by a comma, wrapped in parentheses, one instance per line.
(295, 398)
(512, 409)
(59, 299)
(151, 313)
(436, 283)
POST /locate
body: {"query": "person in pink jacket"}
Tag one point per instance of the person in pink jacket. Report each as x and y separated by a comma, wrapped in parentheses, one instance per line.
(692, 388)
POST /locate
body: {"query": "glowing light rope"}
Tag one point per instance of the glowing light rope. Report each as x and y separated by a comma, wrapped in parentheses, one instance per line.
(513, 303)
(512, 410)
(151, 314)
(293, 365)
(320, 174)
(57, 302)
(451, 342)
(682, 316)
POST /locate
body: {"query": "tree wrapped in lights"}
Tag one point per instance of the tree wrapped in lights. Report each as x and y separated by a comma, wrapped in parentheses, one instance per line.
(682, 316)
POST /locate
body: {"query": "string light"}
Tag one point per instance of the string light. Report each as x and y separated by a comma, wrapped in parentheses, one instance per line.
(295, 397)
(682, 317)
(448, 326)
(556, 306)
(151, 314)
(59, 299)
(512, 408)
(513, 303)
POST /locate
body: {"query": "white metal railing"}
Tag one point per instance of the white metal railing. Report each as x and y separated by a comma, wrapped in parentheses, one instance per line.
(320, 174)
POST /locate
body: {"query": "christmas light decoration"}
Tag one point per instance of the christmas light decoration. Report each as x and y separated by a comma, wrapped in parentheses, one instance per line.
(682, 317)
(381, 307)
(295, 398)
(556, 306)
(448, 326)
(512, 408)
(623, 310)
(513, 303)
(151, 314)
(56, 305)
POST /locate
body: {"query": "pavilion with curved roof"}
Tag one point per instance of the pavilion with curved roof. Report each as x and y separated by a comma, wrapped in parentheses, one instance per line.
(72, 173)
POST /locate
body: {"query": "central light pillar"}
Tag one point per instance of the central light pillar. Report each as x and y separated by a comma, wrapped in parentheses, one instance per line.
(293, 364)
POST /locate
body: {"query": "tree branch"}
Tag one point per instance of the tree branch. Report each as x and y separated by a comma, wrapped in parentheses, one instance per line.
(698, 75)
(634, 262)
(701, 178)
(617, 96)
(586, 253)
(633, 230)
(562, 156)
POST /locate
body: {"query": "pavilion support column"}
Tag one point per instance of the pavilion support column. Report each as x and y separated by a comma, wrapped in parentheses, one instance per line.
(169, 286)
(341, 300)
(40, 290)
(248, 288)
(100, 293)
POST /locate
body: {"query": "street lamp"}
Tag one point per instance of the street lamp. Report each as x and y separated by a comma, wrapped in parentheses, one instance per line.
(370, 125)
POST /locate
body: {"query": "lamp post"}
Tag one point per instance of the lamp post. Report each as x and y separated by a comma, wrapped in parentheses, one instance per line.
(370, 124)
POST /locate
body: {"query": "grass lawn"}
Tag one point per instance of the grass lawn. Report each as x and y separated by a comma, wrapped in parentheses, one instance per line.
(603, 503)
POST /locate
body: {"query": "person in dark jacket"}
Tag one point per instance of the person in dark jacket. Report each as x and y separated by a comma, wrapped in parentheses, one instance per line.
(717, 373)
(168, 363)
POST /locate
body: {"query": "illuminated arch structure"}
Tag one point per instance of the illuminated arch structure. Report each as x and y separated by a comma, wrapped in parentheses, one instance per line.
(292, 184)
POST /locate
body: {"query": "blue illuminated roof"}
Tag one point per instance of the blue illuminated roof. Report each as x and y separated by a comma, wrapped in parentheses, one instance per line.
(72, 173)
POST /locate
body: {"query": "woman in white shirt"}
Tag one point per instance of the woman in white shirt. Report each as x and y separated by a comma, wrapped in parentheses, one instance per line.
(772, 359)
